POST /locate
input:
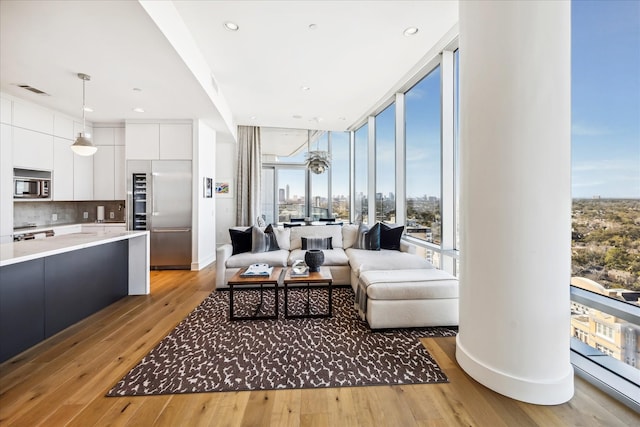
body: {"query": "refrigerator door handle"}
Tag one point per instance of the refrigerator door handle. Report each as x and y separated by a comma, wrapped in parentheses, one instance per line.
(153, 199)
(170, 230)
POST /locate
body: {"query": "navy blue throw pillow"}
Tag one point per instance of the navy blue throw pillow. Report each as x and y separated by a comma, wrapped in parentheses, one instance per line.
(372, 238)
(390, 237)
(241, 240)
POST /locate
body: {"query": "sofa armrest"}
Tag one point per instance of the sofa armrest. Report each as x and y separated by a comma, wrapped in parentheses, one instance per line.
(407, 247)
(223, 253)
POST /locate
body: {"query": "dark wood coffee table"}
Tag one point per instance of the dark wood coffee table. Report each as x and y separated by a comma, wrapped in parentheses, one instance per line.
(251, 283)
(316, 280)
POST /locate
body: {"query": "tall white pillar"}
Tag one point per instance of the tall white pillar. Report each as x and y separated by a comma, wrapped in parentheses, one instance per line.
(515, 197)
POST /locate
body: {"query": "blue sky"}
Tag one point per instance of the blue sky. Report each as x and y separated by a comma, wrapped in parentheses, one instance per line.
(605, 99)
(605, 114)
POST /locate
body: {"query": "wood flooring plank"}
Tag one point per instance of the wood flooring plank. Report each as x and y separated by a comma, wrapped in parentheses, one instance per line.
(230, 409)
(286, 408)
(147, 412)
(258, 409)
(340, 406)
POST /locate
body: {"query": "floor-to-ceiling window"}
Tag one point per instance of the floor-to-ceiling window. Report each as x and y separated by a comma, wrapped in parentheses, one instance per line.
(423, 159)
(291, 193)
(605, 146)
(340, 172)
(360, 175)
(386, 165)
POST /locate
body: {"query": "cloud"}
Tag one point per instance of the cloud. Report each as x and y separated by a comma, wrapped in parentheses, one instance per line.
(582, 129)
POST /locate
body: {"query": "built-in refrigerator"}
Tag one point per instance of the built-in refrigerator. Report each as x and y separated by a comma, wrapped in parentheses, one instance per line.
(159, 200)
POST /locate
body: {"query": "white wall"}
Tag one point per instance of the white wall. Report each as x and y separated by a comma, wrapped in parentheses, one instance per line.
(204, 209)
(226, 166)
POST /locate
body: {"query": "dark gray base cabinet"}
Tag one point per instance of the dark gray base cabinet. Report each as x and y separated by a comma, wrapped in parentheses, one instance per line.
(42, 297)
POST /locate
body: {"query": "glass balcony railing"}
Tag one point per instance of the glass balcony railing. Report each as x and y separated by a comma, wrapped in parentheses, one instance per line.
(605, 339)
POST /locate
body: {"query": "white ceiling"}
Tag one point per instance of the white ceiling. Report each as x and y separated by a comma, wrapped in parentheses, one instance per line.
(355, 55)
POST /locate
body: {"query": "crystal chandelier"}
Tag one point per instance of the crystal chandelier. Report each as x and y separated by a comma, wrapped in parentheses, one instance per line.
(318, 161)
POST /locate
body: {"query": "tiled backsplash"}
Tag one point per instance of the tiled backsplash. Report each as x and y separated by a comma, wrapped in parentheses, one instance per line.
(41, 213)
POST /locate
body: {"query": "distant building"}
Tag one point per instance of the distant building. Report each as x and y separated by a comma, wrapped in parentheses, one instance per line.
(281, 195)
(602, 331)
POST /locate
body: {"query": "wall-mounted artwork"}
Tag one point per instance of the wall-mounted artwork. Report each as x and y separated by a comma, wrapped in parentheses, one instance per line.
(223, 188)
(208, 188)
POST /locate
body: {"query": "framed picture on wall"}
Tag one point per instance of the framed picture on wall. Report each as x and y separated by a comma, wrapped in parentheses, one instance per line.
(223, 188)
(208, 188)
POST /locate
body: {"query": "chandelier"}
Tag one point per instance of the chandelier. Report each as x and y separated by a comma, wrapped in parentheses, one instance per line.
(318, 161)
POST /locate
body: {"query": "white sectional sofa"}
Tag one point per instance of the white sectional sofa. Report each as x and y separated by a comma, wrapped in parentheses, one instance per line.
(405, 280)
(343, 260)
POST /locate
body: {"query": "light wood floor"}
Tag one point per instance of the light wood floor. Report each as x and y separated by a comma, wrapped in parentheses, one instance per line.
(63, 381)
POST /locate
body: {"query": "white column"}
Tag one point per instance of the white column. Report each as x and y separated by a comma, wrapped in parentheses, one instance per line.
(515, 112)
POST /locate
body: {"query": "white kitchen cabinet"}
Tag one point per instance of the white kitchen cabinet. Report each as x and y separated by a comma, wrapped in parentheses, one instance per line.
(6, 184)
(5, 111)
(103, 173)
(82, 177)
(30, 116)
(62, 185)
(120, 190)
(118, 136)
(32, 150)
(63, 127)
(175, 142)
(103, 136)
(142, 141)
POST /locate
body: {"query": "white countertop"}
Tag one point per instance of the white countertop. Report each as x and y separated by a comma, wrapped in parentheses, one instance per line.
(12, 253)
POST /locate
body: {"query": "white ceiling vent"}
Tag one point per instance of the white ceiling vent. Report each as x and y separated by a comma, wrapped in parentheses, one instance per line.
(34, 90)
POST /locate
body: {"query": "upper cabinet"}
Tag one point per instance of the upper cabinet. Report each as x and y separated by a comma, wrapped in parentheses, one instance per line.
(158, 141)
(175, 142)
(62, 169)
(142, 141)
(32, 150)
(30, 116)
(5, 111)
(63, 127)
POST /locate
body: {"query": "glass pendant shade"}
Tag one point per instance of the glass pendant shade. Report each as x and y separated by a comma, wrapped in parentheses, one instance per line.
(83, 145)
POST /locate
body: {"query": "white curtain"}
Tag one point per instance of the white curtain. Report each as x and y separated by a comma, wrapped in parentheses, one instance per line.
(249, 175)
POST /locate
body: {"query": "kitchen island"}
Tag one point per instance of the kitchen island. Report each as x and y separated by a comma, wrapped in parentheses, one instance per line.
(49, 284)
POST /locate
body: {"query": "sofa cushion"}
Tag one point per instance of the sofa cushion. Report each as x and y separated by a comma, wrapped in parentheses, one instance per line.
(333, 231)
(240, 240)
(263, 240)
(384, 259)
(317, 243)
(283, 237)
(349, 234)
(409, 284)
(274, 258)
(390, 236)
(368, 238)
(335, 256)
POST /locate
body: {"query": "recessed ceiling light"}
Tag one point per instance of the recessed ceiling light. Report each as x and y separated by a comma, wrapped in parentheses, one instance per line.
(139, 110)
(253, 117)
(312, 26)
(88, 109)
(297, 116)
(411, 31)
(305, 88)
(231, 26)
(137, 89)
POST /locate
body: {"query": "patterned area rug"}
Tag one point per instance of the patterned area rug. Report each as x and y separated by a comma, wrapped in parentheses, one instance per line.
(206, 352)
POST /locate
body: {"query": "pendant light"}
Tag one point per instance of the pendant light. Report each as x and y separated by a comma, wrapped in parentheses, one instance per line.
(318, 161)
(83, 145)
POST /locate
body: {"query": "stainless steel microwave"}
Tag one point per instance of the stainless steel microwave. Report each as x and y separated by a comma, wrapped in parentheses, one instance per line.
(31, 188)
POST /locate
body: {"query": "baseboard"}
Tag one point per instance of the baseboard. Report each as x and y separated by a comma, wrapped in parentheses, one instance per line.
(197, 266)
